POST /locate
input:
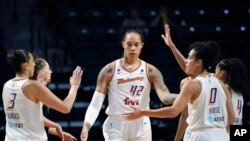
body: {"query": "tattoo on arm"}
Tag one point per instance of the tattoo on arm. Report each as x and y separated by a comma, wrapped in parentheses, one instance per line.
(100, 78)
(149, 74)
(106, 71)
(159, 81)
(109, 70)
(160, 85)
(169, 99)
(104, 77)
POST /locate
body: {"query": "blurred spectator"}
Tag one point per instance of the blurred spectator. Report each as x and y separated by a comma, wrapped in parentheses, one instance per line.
(162, 18)
(134, 21)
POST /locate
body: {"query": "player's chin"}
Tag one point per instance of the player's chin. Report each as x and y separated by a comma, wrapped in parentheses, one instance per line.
(133, 54)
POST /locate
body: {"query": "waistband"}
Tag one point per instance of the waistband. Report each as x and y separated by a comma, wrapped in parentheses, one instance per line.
(208, 129)
(116, 117)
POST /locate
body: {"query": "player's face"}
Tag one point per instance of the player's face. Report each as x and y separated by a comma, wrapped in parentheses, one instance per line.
(132, 45)
(192, 64)
(47, 75)
(31, 65)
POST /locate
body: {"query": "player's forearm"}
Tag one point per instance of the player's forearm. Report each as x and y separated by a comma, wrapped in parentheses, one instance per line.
(93, 109)
(52, 131)
(179, 57)
(86, 125)
(182, 125)
(70, 99)
(165, 112)
(49, 123)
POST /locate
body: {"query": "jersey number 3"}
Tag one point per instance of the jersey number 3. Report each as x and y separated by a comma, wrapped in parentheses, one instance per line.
(12, 101)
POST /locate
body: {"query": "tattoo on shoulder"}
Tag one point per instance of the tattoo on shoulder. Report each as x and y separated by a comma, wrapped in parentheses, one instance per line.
(105, 73)
(109, 69)
(101, 76)
(150, 70)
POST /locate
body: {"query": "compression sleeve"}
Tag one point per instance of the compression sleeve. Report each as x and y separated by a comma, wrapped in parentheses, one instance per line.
(94, 108)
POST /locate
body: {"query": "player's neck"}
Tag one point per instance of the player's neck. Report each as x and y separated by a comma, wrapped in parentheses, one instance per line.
(21, 76)
(204, 73)
(128, 61)
(130, 64)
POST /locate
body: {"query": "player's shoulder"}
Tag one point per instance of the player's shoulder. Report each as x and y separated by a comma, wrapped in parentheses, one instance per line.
(150, 66)
(108, 70)
(184, 80)
(192, 83)
(112, 63)
(31, 83)
(110, 66)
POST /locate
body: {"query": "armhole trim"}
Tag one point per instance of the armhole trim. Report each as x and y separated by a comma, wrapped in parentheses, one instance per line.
(146, 65)
(114, 67)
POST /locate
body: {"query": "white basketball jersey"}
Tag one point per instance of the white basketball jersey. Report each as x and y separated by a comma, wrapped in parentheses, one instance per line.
(128, 88)
(24, 118)
(238, 101)
(209, 109)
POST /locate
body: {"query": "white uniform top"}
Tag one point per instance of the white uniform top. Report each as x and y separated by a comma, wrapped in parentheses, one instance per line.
(238, 101)
(209, 109)
(24, 118)
(128, 88)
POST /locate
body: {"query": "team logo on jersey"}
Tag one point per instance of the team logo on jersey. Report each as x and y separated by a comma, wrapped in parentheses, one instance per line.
(212, 119)
(118, 71)
(128, 101)
(120, 81)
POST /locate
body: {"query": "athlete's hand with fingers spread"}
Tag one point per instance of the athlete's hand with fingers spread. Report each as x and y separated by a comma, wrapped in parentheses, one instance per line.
(167, 37)
(84, 133)
(75, 79)
(137, 113)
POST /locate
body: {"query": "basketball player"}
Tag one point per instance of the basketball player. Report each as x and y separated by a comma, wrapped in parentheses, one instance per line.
(42, 73)
(23, 99)
(233, 73)
(209, 102)
(230, 71)
(126, 81)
